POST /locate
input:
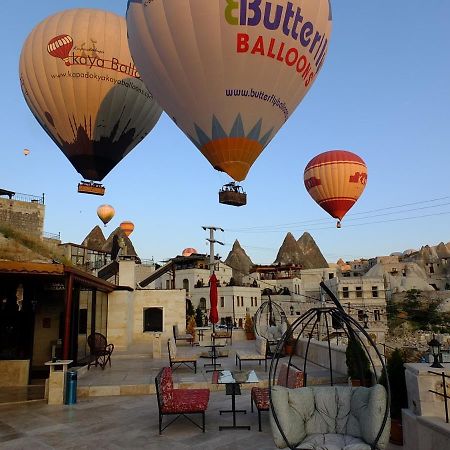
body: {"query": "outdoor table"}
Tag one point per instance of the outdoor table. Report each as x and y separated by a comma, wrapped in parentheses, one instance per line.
(214, 356)
(201, 332)
(232, 380)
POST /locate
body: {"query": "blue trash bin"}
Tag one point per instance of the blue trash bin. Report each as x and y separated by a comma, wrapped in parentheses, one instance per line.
(71, 387)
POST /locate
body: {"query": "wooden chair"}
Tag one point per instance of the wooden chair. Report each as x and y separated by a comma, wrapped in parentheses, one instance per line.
(179, 402)
(176, 360)
(182, 337)
(292, 378)
(100, 350)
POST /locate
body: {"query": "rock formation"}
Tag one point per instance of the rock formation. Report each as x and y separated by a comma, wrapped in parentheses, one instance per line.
(239, 262)
(128, 248)
(95, 240)
(312, 256)
(289, 252)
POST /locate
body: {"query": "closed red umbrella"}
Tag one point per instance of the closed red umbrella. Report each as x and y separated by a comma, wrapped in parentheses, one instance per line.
(213, 297)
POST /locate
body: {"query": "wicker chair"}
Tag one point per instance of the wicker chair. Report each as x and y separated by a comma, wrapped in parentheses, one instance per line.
(100, 350)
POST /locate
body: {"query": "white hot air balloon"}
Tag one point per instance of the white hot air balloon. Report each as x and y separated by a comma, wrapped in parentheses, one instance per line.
(229, 72)
(80, 82)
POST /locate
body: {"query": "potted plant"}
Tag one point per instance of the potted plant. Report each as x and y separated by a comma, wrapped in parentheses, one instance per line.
(289, 344)
(358, 365)
(249, 328)
(399, 396)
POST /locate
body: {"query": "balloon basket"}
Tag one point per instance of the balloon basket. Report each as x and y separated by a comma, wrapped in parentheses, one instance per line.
(89, 187)
(232, 194)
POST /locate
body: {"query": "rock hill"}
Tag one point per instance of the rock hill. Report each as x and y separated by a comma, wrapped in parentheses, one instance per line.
(304, 252)
(239, 261)
(95, 240)
(129, 248)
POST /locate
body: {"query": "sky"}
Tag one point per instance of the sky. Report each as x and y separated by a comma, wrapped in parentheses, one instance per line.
(383, 93)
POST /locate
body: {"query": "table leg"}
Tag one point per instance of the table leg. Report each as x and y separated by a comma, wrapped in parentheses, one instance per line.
(234, 390)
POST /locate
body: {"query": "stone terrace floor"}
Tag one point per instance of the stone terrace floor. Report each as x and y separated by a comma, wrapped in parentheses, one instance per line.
(105, 417)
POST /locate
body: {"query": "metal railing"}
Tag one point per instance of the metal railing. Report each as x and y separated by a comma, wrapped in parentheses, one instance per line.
(18, 196)
(48, 235)
(444, 394)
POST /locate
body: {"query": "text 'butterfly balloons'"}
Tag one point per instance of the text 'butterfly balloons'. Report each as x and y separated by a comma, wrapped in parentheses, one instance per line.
(335, 180)
(229, 73)
(81, 84)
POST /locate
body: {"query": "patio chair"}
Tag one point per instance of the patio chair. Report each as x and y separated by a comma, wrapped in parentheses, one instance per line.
(176, 360)
(179, 402)
(259, 354)
(100, 350)
(294, 378)
(182, 337)
(223, 334)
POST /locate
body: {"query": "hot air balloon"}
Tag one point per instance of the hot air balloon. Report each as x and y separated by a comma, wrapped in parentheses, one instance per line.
(127, 227)
(105, 213)
(26, 152)
(229, 73)
(189, 251)
(80, 82)
(335, 180)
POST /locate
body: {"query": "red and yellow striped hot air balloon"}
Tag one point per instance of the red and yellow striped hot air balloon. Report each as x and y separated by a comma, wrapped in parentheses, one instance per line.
(127, 227)
(335, 180)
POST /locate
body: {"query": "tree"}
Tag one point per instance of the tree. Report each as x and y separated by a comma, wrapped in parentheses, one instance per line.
(358, 365)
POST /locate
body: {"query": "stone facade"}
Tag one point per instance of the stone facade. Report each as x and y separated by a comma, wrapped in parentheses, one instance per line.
(23, 216)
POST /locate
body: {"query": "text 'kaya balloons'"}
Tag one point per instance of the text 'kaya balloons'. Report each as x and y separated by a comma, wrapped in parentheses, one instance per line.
(105, 213)
(79, 80)
(335, 180)
(229, 72)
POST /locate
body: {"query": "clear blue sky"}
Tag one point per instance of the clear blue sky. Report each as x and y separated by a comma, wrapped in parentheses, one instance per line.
(383, 93)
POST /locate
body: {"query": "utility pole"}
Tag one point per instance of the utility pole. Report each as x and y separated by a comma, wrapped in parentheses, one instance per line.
(212, 241)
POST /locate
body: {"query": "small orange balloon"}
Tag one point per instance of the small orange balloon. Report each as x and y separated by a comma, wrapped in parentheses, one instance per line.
(26, 152)
(127, 227)
(189, 251)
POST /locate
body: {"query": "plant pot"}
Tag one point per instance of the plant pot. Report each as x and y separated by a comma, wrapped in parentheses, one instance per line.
(289, 349)
(396, 436)
(250, 335)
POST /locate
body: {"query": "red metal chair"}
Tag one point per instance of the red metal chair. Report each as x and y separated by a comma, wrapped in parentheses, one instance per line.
(179, 402)
(260, 396)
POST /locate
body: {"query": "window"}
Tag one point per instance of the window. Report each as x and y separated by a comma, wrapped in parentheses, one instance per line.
(376, 314)
(374, 291)
(82, 321)
(360, 315)
(251, 301)
(202, 304)
(345, 293)
(256, 301)
(330, 276)
(431, 268)
(222, 302)
(186, 285)
(358, 291)
(167, 284)
(153, 319)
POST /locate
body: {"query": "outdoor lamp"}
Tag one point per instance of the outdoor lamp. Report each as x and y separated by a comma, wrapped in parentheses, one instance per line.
(291, 308)
(435, 350)
(366, 320)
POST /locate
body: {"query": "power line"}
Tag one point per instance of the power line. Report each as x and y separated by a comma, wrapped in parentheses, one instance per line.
(350, 216)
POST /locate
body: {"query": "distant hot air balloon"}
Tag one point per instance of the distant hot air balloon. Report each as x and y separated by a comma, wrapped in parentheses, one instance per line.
(105, 213)
(79, 80)
(26, 152)
(127, 227)
(189, 251)
(335, 180)
(229, 73)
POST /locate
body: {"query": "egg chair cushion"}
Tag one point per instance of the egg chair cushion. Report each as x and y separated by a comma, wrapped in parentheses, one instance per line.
(319, 412)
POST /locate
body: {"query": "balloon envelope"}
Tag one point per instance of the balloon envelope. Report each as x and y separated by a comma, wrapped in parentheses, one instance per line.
(189, 251)
(105, 213)
(127, 227)
(229, 73)
(335, 180)
(79, 81)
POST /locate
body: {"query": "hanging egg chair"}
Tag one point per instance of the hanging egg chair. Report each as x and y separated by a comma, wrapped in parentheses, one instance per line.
(270, 323)
(329, 411)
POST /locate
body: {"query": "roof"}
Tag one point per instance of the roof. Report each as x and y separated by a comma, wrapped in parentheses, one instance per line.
(55, 269)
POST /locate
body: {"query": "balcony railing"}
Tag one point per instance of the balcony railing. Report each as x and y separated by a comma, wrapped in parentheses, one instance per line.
(56, 236)
(444, 393)
(18, 196)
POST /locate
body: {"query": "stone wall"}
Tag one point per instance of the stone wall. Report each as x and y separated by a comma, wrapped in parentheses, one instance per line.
(14, 372)
(23, 216)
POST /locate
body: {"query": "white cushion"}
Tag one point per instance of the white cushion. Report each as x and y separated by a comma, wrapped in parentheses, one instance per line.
(332, 441)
